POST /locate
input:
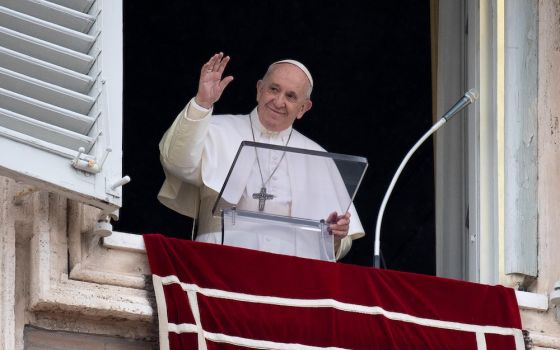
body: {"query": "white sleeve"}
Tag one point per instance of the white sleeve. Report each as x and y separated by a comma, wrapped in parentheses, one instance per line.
(343, 248)
(355, 231)
(181, 146)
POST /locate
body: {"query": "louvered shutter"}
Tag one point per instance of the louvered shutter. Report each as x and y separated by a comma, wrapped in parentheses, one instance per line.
(61, 92)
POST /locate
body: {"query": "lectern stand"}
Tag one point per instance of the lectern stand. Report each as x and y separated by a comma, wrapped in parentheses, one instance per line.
(263, 218)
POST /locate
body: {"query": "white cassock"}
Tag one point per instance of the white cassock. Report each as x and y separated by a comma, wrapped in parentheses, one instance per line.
(197, 153)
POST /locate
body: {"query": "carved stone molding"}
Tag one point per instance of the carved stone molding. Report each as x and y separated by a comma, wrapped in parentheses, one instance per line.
(103, 285)
(90, 261)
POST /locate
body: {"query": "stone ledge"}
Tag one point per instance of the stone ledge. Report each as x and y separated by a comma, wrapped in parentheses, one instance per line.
(95, 300)
(544, 341)
(532, 301)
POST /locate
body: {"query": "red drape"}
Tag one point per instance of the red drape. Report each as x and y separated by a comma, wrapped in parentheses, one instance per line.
(218, 297)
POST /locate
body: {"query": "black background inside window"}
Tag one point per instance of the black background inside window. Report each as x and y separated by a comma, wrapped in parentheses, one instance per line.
(372, 98)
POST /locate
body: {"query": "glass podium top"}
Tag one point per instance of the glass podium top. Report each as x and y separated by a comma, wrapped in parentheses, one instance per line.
(290, 184)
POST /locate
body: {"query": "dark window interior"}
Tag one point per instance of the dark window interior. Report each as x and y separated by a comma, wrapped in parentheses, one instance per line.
(372, 98)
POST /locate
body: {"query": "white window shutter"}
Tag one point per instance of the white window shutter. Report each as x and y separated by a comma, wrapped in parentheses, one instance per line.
(61, 92)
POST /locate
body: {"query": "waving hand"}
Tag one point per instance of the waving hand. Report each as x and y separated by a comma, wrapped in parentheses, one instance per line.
(211, 85)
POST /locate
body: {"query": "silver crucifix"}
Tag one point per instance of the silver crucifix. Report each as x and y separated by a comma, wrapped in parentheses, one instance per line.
(262, 196)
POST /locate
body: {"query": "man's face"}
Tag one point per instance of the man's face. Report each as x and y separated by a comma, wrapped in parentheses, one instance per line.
(281, 96)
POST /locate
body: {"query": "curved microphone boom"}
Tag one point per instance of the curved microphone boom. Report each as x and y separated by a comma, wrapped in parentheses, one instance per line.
(469, 97)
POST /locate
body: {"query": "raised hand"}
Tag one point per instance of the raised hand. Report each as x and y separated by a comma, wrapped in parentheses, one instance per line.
(211, 85)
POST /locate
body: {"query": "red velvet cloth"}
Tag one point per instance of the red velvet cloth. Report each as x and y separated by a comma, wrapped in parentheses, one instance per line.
(241, 299)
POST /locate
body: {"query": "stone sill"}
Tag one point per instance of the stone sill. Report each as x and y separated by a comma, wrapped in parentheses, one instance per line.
(125, 241)
(532, 301)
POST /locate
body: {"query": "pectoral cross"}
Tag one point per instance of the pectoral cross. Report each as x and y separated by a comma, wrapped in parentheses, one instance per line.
(262, 196)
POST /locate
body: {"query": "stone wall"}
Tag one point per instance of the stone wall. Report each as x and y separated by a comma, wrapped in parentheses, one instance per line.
(544, 327)
(55, 273)
(40, 339)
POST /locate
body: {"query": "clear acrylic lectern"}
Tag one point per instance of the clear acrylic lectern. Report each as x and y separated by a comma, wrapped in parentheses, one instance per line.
(255, 207)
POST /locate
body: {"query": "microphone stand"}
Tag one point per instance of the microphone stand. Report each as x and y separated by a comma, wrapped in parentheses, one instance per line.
(470, 97)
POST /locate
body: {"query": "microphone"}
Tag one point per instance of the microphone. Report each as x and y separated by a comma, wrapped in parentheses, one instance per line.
(469, 97)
